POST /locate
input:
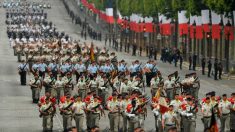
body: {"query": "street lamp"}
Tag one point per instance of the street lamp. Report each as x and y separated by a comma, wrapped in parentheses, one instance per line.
(228, 25)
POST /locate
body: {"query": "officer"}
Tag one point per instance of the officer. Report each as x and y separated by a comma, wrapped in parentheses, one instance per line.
(203, 63)
(114, 109)
(216, 69)
(53, 68)
(35, 68)
(209, 65)
(42, 69)
(224, 107)
(96, 110)
(47, 111)
(206, 112)
(169, 87)
(59, 86)
(23, 69)
(82, 88)
(35, 85)
(169, 119)
(132, 116)
(78, 109)
(124, 88)
(190, 116)
(68, 84)
(156, 112)
(79, 69)
(126, 101)
(66, 112)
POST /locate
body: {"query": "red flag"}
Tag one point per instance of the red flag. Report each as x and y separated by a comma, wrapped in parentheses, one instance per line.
(183, 29)
(163, 109)
(216, 31)
(229, 30)
(149, 27)
(199, 33)
(206, 28)
(166, 29)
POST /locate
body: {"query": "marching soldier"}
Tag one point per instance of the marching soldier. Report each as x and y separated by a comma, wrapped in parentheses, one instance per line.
(142, 111)
(114, 109)
(124, 88)
(132, 116)
(79, 108)
(93, 84)
(126, 101)
(169, 87)
(66, 112)
(177, 104)
(59, 86)
(190, 116)
(169, 119)
(23, 69)
(224, 107)
(96, 112)
(154, 85)
(79, 69)
(206, 112)
(68, 84)
(156, 112)
(82, 87)
(35, 85)
(49, 82)
(47, 111)
(42, 69)
(53, 68)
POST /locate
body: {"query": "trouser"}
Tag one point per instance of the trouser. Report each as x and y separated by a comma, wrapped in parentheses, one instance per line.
(47, 123)
(23, 78)
(60, 92)
(94, 89)
(35, 94)
(168, 127)
(124, 119)
(113, 121)
(82, 93)
(232, 120)
(68, 90)
(225, 121)
(88, 120)
(67, 122)
(42, 74)
(141, 120)
(94, 118)
(148, 78)
(215, 76)
(189, 125)
(132, 125)
(154, 91)
(79, 118)
(206, 122)
(158, 123)
(170, 93)
(19, 57)
(54, 73)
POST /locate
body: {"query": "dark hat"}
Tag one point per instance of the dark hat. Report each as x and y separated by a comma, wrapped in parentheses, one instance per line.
(171, 105)
(233, 94)
(68, 95)
(208, 94)
(207, 98)
(213, 93)
(224, 95)
(189, 99)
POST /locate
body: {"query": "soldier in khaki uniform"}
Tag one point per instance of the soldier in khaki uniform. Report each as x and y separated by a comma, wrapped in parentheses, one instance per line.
(114, 110)
(95, 110)
(35, 85)
(224, 108)
(66, 112)
(169, 119)
(126, 101)
(81, 87)
(47, 111)
(206, 112)
(59, 87)
(79, 112)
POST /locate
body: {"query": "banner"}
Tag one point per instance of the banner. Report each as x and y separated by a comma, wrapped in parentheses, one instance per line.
(183, 22)
(215, 19)
(205, 20)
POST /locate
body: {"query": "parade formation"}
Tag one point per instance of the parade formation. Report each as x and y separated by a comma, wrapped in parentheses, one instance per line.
(84, 83)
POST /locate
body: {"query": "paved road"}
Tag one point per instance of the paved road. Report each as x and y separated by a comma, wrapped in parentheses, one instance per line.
(17, 113)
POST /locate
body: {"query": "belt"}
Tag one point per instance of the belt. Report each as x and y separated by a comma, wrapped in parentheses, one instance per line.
(207, 117)
(67, 114)
(78, 114)
(113, 112)
(170, 124)
(225, 114)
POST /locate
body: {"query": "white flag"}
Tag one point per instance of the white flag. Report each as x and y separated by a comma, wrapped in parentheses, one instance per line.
(205, 16)
(182, 19)
(215, 18)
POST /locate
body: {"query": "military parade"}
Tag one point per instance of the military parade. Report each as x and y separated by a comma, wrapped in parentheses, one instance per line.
(85, 84)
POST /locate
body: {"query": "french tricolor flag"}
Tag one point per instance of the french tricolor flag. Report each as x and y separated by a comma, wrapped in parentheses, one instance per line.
(215, 19)
(165, 25)
(183, 22)
(228, 30)
(109, 12)
(205, 20)
(197, 30)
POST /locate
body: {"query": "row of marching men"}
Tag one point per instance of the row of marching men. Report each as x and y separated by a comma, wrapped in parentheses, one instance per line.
(125, 112)
(218, 113)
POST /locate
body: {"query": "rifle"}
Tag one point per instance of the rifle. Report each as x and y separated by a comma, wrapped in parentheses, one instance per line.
(139, 107)
(34, 84)
(45, 111)
(66, 108)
